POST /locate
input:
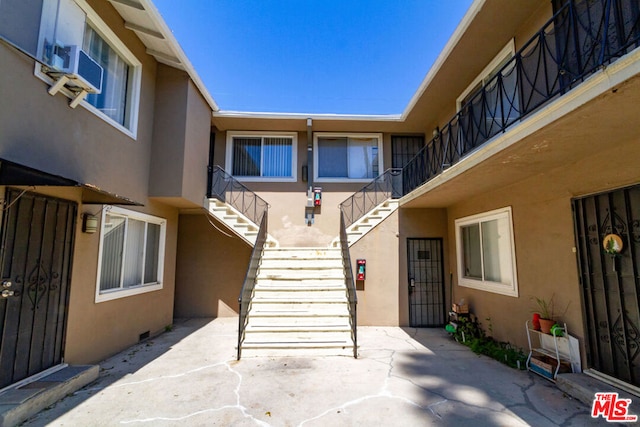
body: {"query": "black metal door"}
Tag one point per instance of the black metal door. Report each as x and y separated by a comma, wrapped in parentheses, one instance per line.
(404, 148)
(610, 282)
(426, 282)
(35, 270)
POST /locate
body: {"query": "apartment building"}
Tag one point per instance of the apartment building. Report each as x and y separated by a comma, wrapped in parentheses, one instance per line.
(505, 179)
(103, 129)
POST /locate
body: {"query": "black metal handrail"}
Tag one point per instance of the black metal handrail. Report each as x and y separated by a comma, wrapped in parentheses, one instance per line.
(227, 189)
(385, 186)
(580, 38)
(350, 285)
(250, 281)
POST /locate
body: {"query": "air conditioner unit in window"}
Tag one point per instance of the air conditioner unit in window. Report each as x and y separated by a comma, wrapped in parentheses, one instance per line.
(82, 70)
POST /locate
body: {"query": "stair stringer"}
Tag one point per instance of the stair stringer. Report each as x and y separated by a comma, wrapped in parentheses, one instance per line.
(235, 221)
(368, 222)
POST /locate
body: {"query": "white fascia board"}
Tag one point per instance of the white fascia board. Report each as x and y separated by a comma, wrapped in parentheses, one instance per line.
(164, 29)
(444, 54)
(285, 116)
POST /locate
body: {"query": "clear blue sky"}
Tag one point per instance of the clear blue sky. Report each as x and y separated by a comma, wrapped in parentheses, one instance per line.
(313, 56)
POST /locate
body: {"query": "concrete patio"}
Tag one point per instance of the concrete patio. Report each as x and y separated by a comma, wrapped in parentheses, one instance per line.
(403, 377)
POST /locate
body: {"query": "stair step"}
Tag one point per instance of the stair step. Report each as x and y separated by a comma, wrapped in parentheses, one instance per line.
(294, 329)
(364, 226)
(298, 284)
(383, 209)
(219, 208)
(298, 321)
(299, 308)
(337, 343)
(262, 312)
(296, 305)
(301, 264)
(296, 295)
(290, 341)
(343, 351)
(294, 254)
(300, 274)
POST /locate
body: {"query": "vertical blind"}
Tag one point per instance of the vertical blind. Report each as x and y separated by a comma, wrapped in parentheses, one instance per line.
(130, 253)
(258, 156)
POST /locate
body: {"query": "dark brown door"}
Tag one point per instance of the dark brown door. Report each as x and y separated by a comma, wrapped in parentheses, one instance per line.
(611, 282)
(35, 272)
(426, 282)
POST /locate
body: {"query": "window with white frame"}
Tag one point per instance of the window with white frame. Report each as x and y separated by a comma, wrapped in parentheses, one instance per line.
(347, 157)
(131, 253)
(73, 22)
(253, 156)
(486, 253)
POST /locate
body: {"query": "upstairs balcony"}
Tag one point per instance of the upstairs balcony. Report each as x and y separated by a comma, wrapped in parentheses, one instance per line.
(582, 38)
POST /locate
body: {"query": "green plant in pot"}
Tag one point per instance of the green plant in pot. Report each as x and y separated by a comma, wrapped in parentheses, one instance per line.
(545, 307)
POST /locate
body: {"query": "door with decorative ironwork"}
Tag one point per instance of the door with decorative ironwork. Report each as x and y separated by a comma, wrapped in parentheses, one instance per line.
(35, 272)
(608, 241)
(426, 282)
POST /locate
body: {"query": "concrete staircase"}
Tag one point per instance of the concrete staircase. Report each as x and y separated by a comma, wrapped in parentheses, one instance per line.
(368, 222)
(300, 305)
(237, 222)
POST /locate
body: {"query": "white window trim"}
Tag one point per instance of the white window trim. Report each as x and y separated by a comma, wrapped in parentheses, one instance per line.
(253, 134)
(112, 294)
(133, 95)
(318, 135)
(510, 289)
(507, 52)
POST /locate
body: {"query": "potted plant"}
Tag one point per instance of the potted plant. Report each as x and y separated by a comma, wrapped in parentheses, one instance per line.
(547, 315)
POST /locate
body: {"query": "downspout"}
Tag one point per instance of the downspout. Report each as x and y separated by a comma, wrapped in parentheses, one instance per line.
(309, 209)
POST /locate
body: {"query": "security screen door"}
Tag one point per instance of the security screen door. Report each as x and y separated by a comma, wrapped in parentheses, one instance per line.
(610, 282)
(35, 268)
(426, 282)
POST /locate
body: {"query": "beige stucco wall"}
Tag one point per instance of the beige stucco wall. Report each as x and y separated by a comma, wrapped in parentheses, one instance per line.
(181, 132)
(210, 269)
(41, 131)
(383, 298)
(97, 330)
(288, 200)
(544, 239)
(379, 295)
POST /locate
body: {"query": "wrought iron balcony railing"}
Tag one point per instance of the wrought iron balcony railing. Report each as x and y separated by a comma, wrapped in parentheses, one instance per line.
(227, 189)
(385, 186)
(579, 39)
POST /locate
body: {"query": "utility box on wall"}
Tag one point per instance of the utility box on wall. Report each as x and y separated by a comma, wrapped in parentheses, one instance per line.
(361, 269)
(317, 197)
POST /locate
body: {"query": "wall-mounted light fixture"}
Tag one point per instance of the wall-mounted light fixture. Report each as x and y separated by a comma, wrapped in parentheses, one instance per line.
(89, 223)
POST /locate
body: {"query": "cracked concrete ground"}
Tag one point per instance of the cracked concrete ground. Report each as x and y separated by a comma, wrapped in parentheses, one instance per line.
(403, 377)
